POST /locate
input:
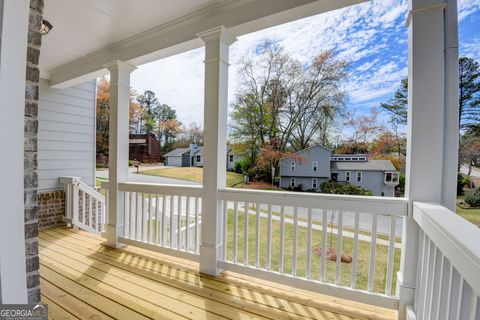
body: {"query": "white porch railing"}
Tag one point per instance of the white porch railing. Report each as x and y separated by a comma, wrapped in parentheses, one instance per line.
(163, 217)
(168, 219)
(448, 274)
(299, 239)
(85, 207)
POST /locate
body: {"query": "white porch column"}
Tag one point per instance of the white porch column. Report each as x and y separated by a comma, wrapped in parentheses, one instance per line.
(13, 59)
(450, 157)
(217, 41)
(118, 147)
(431, 147)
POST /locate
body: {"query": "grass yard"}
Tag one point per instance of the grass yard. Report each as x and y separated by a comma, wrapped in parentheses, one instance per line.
(470, 214)
(347, 245)
(193, 174)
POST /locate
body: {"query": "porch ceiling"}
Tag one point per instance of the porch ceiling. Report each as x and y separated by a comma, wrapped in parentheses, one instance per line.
(87, 34)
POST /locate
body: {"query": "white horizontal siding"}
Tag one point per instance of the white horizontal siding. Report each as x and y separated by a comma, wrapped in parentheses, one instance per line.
(66, 134)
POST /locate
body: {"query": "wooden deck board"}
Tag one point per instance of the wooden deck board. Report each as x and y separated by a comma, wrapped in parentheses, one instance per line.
(84, 279)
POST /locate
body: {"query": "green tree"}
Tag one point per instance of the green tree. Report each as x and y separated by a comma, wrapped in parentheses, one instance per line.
(397, 106)
(284, 103)
(469, 94)
(469, 97)
(149, 105)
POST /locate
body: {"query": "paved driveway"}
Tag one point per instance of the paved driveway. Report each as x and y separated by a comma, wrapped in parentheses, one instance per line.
(475, 172)
(135, 177)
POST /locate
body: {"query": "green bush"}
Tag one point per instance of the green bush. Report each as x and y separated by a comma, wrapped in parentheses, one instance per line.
(243, 166)
(462, 181)
(333, 187)
(472, 198)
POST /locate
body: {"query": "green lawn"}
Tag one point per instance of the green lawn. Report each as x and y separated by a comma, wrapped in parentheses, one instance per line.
(470, 214)
(193, 174)
(347, 244)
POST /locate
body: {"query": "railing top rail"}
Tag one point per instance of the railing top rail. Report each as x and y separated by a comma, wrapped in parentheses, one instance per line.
(455, 237)
(83, 186)
(167, 189)
(366, 204)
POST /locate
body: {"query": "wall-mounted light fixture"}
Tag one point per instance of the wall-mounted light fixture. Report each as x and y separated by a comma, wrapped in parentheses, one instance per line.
(46, 27)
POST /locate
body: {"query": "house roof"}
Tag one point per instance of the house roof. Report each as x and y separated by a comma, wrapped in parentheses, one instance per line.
(177, 152)
(370, 165)
(198, 151)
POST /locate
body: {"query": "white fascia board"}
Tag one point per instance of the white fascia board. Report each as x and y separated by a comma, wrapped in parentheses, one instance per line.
(180, 35)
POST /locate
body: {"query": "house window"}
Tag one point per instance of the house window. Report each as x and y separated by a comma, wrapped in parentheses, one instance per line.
(315, 166)
(292, 166)
(230, 158)
(347, 176)
(391, 177)
(314, 183)
(199, 158)
(334, 176)
(292, 182)
(359, 176)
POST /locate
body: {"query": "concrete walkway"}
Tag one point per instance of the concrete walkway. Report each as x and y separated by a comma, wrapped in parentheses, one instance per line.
(135, 177)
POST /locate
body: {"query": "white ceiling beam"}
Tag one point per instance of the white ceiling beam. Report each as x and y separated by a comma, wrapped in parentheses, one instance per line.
(239, 16)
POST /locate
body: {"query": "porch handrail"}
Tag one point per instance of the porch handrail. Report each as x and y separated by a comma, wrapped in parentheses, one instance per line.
(368, 204)
(182, 190)
(85, 207)
(448, 282)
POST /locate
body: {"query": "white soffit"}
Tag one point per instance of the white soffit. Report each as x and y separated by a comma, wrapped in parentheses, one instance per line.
(81, 27)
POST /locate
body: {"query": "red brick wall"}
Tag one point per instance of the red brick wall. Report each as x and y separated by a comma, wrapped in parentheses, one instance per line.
(51, 208)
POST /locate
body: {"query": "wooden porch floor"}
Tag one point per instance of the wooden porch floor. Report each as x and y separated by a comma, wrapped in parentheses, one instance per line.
(82, 279)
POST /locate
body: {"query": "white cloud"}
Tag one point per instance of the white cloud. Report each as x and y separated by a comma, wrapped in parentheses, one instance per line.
(360, 33)
(467, 7)
(471, 48)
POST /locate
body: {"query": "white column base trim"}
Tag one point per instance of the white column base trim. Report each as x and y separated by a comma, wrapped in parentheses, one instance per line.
(410, 313)
(406, 296)
(114, 232)
(209, 257)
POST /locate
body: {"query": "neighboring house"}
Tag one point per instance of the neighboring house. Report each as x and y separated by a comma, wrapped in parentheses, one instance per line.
(232, 158)
(378, 176)
(185, 157)
(311, 167)
(144, 148)
(193, 157)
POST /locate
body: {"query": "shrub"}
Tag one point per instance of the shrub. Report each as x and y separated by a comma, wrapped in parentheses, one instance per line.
(472, 198)
(243, 166)
(333, 187)
(298, 187)
(462, 181)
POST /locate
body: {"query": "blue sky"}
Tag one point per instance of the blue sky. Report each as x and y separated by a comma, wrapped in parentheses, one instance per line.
(372, 36)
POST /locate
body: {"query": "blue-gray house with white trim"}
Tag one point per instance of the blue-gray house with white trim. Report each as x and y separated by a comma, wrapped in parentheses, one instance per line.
(309, 168)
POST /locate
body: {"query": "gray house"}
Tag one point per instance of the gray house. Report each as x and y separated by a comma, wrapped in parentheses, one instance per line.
(232, 158)
(185, 157)
(311, 167)
(193, 157)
